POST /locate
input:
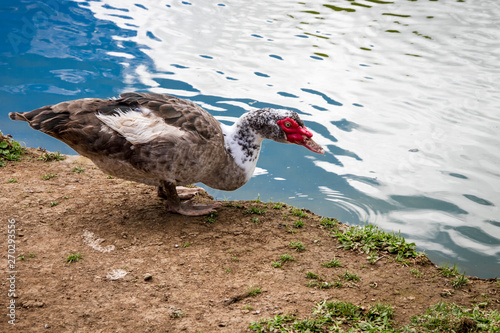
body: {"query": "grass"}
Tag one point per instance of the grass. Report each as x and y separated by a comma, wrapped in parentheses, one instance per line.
(339, 316)
(12, 181)
(257, 200)
(73, 257)
(450, 317)
(282, 259)
(416, 273)
(350, 276)
(332, 263)
(254, 291)
(318, 282)
(10, 150)
(373, 258)
(311, 275)
(448, 271)
(299, 224)
(51, 156)
(255, 210)
(297, 212)
(370, 239)
(460, 281)
(78, 169)
(277, 264)
(286, 257)
(298, 246)
(232, 204)
(278, 205)
(329, 222)
(49, 176)
(211, 217)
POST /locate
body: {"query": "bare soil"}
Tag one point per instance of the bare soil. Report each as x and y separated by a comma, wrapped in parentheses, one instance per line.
(181, 273)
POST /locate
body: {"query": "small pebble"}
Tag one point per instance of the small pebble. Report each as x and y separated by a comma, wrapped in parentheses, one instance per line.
(148, 277)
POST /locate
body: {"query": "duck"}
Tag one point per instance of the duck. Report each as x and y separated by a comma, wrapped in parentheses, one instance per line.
(168, 142)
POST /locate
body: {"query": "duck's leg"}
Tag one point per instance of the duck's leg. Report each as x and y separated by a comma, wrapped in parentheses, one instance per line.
(189, 192)
(173, 202)
(184, 193)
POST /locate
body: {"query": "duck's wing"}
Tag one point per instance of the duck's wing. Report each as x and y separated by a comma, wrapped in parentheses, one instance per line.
(180, 114)
(137, 118)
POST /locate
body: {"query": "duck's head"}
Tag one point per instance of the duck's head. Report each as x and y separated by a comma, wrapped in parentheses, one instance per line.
(297, 133)
(282, 126)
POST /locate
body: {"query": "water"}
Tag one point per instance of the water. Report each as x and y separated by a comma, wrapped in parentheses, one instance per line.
(402, 94)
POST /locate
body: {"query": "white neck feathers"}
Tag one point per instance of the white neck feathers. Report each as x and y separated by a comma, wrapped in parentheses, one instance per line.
(243, 144)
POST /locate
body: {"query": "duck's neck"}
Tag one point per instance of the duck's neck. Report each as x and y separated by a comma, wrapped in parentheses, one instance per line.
(243, 144)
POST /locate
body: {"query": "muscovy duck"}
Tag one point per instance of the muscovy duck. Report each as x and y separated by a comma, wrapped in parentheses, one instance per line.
(166, 141)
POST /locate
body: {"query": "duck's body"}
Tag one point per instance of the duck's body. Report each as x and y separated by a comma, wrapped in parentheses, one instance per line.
(165, 141)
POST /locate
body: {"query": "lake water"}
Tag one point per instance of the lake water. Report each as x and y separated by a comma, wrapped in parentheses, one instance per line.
(404, 96)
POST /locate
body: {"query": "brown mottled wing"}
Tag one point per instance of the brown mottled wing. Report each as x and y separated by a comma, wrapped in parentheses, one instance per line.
(75, 122)
(177, 112)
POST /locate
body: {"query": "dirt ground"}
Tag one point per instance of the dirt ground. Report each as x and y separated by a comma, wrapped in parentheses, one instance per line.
(146, 270)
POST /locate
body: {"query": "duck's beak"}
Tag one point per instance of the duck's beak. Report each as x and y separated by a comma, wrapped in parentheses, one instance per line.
(309, 144)
(302, 136)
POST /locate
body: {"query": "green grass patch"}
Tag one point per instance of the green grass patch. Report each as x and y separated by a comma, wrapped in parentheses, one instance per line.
(370, 238)
(78, 169)
(278, 205)
(211, 217)
(73, 257)
(255, 210)
(450, 317)
(299, 224)
(339, 316)
(329, 222)
(350, 276)
(282, 259)
(51, 156)
(332, 263)
(448, 271)
(254, 291)
(416, 273)
(297, 212)
(298, 246)
(286, 257)
(460, 281)
(10, 150)
(311, 275)
(257, 200)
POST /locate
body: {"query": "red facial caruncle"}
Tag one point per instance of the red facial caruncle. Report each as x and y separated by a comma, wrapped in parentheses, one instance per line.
(299, 135)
